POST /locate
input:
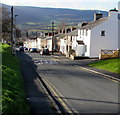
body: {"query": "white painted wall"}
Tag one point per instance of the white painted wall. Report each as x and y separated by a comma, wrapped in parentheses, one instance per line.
(86, 39)
(109, 41)
(63, 46)
(80, 50)
(119, 28)
(119, 34)
(39, 45)
(74, 42)
(49, 44)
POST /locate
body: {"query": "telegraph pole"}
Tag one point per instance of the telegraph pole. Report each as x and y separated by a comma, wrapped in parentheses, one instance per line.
(16, 41)
(52, 37)
(12, 29)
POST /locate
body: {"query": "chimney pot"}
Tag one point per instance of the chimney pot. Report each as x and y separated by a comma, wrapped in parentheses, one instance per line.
(97, 16)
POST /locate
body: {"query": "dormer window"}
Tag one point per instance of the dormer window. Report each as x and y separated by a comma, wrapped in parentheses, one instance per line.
(103, 33)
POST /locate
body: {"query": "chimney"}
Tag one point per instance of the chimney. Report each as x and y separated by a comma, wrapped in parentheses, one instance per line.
(113, 13)
(97, 16)
(84, 23)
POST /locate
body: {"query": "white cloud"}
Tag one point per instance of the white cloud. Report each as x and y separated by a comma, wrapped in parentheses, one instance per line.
(74, 4)
(9, 2)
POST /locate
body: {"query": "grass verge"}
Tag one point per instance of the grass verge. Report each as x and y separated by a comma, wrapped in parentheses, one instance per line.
(112, 65)
(13, 95)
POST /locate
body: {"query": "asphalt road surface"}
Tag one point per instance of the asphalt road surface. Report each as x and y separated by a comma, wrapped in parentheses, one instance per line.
(78, 90)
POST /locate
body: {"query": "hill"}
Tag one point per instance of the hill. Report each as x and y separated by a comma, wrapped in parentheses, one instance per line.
(37, 16)
(46, 15)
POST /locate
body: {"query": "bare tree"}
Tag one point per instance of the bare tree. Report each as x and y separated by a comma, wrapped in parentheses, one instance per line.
(6, 24)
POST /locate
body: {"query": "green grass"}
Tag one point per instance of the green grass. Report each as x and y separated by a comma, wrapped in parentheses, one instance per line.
(112, 65)
(13, 95)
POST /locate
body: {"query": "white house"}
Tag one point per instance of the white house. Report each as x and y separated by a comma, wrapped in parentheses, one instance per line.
(33, 43)
(49, 43)
(71, 42)
(63, 44)
(102, 33)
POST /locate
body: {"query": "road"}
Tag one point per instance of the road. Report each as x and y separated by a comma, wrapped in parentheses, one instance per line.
(78, 90)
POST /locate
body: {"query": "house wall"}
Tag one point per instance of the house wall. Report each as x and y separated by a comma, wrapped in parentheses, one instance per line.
(36, 43)
(109, 41)
(49, 44)
(119, 26)
(39, 45)
(80, 50)
(86, 39)
(63, 46)
(32, 44)
(119, 34)
(43, 43)
(25, 44)
(74, 42)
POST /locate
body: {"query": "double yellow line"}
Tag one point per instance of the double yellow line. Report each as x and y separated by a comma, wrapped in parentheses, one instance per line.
(59, 97)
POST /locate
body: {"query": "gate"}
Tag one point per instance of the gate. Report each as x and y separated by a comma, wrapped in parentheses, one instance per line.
(109, 54)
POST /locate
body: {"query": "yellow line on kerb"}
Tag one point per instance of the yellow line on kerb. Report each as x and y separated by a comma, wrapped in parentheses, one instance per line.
(60, 95)
(54, 59)
(57, 94)
(57, 108)
(103, 75)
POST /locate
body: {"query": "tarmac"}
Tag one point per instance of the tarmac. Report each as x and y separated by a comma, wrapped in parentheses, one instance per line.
(37, 97)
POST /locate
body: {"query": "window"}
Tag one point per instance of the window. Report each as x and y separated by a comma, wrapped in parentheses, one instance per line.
(103, 33)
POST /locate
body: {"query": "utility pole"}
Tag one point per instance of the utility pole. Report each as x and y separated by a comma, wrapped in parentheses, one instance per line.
(12, 29)
(52, 37)
(16, 41)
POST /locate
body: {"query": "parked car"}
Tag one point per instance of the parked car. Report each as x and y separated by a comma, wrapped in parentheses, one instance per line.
(21, 49)
(33, 50)
(25, 48)
(44, 51)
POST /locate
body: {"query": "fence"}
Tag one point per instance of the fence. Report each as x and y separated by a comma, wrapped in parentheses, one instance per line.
(109, 54)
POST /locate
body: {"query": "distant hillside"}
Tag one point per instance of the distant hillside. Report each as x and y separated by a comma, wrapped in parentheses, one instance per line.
(40, 15)
(44, 16)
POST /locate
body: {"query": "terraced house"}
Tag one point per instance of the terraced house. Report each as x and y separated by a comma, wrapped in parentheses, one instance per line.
(102, 33)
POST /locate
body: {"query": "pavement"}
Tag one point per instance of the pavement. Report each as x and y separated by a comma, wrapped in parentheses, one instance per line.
(37, 97)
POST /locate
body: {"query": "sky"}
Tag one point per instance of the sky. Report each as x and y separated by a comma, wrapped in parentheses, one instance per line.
(72, 4)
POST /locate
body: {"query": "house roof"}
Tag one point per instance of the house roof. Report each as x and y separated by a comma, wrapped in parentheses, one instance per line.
(73, 33)
(60, 35)
(93, 24)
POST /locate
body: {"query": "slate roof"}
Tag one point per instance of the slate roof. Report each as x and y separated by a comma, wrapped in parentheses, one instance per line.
(93, 24)
(73, 33)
